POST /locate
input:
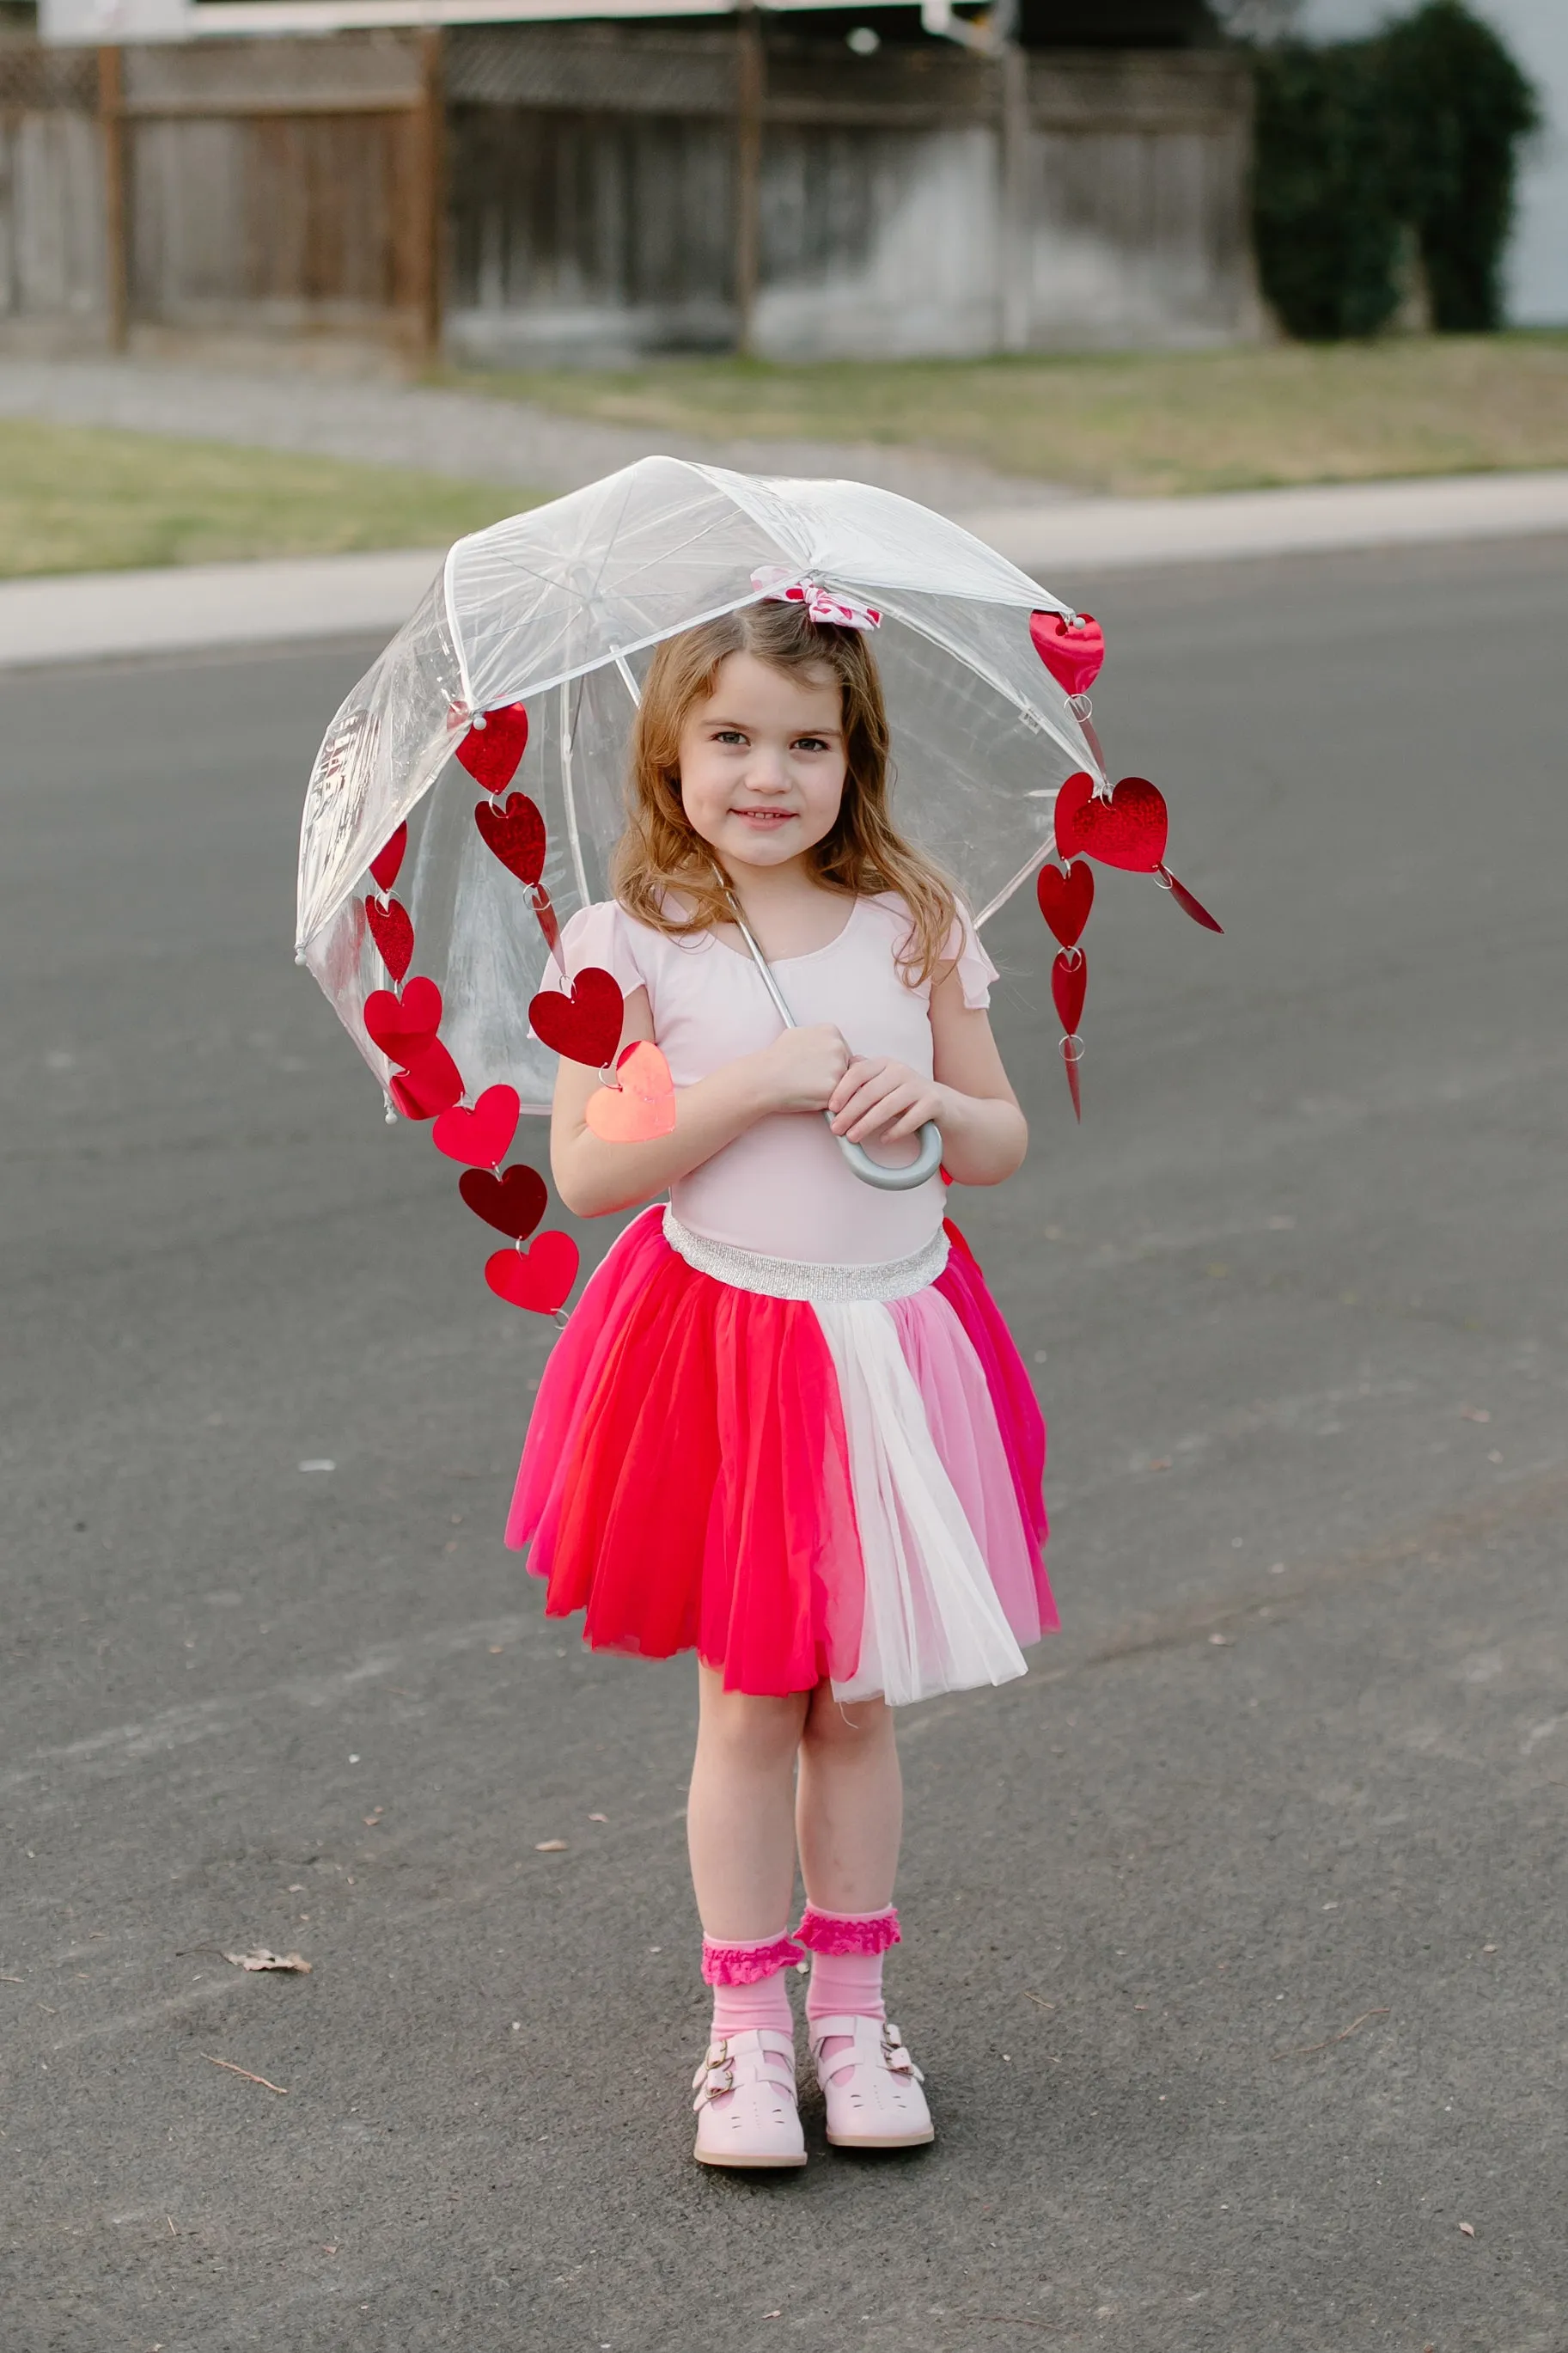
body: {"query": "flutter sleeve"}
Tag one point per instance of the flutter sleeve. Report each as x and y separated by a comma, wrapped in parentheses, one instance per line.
(601, 935)
(975, 970)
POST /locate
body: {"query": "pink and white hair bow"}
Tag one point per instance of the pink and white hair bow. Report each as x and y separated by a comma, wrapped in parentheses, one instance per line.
(824, 604)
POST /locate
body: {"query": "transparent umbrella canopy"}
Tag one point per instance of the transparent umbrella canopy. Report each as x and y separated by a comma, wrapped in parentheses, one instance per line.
(537, 633)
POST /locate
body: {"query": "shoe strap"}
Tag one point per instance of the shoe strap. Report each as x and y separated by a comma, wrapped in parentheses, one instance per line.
(877, 2043)
(760, 2055)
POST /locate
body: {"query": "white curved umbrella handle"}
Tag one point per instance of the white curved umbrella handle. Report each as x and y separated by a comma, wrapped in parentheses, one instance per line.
(927, 1160)
(921, 1168)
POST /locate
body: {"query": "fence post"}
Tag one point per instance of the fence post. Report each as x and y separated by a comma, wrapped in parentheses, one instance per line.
(1014, 255)
(749, 72)
(117, 261)
(430, 192)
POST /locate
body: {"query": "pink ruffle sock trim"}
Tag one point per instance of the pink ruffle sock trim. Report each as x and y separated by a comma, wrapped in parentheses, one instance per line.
(849, 1932)
(748, 1964)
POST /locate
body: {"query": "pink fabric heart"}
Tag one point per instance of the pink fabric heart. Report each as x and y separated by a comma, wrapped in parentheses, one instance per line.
(642, 1106)
(479, 1138)
(538, 1277)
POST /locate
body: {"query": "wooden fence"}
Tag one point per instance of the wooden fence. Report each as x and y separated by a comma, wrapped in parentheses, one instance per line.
(588, 192)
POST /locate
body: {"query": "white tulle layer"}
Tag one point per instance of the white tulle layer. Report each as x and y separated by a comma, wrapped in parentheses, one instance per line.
(934, 1621)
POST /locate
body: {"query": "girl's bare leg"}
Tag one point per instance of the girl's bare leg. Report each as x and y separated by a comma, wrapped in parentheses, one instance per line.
(849, 1805)
(739, 1825)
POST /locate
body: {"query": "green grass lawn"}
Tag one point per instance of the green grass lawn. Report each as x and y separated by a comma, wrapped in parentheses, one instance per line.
(74, 498)
(1140, 422)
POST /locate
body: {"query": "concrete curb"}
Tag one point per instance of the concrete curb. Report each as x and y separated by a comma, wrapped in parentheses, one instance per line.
(94, 616)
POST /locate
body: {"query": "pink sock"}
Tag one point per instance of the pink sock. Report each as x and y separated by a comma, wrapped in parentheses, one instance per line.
(847, 1953)
(748, 1982)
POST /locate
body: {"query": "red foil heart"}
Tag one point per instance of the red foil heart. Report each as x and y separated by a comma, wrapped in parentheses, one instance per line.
(401, 1025)
(1188, 904)
(514, 1202)
(492, 749)
(545, 913)
(387, 863)
(641, 1106)
(1070, 1059)
(538, 1277)
(430, 1081)
(514, 831)
(587, 1026)
(1071, 652)
(479, 1138)
(1127, 830)
(1070, 980)
(1066, 899)
(392, 929)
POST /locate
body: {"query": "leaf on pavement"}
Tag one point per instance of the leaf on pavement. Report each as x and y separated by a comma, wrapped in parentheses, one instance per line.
(262, 1960)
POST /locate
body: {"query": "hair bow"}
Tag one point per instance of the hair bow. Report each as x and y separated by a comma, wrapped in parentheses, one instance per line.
(824, 604)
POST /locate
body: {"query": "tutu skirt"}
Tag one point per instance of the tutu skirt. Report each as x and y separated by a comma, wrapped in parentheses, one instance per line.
(834, 1486)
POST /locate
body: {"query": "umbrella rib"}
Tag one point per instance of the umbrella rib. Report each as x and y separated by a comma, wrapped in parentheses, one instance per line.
(573, 837)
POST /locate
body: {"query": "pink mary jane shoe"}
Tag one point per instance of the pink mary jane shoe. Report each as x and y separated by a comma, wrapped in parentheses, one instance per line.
(873, 2088)
(746, 2103)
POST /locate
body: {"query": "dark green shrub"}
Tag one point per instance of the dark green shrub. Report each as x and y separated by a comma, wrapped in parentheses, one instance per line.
(1362, 146)
(1458, 108)
(1326, 232)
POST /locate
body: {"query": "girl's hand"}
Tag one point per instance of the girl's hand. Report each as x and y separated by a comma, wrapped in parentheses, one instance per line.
(877, 1099)
(801, 1069)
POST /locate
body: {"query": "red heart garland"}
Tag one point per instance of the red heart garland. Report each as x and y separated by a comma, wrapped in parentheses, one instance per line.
(430, 1082)
(1070, 980)
(479, 1138)
(1073, 652)
(587, 1026)
(514, 831)
(539, 1277)
(1128, 830)
(493, 748)
(514, 1202)
(392, 929)
(387, 863)
(400, 1025)
(1066, 899)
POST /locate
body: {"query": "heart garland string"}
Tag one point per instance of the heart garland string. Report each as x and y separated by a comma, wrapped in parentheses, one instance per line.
(404, 1021)
(1125, 826)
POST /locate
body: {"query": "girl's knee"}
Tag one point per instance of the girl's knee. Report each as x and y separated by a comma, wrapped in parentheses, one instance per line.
(834, 1722)
(750, 1723)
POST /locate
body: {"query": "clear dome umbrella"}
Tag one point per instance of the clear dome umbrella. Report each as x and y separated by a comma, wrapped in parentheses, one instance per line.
(431, 917)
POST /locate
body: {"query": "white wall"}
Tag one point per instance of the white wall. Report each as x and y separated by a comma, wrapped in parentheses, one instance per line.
(1537, 33)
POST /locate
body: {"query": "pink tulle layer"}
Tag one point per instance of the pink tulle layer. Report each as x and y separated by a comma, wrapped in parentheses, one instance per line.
(748, 1964)
(685, 1477)
(849, 1932)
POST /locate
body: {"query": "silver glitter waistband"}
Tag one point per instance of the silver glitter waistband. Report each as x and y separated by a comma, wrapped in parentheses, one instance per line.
(791, 1278)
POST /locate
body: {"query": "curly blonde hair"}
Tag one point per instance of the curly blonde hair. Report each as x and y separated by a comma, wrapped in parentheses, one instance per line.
(663, 870)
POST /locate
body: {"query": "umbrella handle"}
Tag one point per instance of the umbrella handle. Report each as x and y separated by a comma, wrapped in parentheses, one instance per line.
(921, 1168)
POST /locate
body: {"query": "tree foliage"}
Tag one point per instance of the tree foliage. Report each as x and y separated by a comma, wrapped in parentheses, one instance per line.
(1365, 146)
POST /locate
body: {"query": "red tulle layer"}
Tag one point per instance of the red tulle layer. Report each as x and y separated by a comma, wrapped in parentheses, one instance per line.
(686, 1477)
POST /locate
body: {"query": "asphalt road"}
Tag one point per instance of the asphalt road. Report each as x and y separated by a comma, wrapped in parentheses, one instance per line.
(1234, 1936)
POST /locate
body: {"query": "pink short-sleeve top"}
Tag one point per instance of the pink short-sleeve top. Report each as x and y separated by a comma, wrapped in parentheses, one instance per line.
(783, 1188)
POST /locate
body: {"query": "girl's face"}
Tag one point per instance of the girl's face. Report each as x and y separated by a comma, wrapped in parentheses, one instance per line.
(763, 762)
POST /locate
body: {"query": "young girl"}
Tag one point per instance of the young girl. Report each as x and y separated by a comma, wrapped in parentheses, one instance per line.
(787, 1426)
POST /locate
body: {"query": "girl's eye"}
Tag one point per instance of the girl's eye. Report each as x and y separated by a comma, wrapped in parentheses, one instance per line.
(811, 742)
(729, 735)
